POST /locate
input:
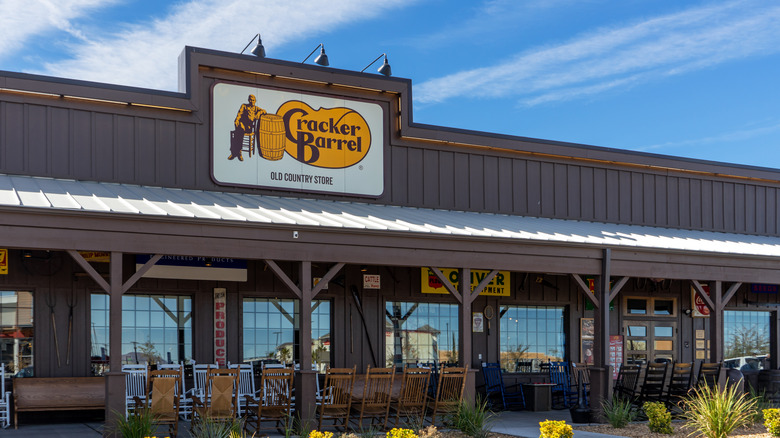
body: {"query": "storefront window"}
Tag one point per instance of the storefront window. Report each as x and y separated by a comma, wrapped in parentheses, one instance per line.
(420, 332)
(155, 329)
(16, 332)
(746, 339)
(270, 327)
(531, 335)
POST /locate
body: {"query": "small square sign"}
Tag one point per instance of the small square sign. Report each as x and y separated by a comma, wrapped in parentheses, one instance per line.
(371, 281)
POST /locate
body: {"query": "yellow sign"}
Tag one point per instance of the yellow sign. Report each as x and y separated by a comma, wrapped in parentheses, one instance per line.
(96, 256)
(3, 262)
(332, 138)
(498, 286)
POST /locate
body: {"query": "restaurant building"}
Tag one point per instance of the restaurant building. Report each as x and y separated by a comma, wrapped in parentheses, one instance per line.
(277, 211)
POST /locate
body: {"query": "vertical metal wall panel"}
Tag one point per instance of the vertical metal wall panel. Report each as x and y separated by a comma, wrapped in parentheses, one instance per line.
(36, 150)
(600, 201)
(660, 198)
(431, 180)
(60, 143)
(462, 182)
(104, 147)
(573, 195)
(623, 183)
(125, 148)
(560, 182)
(586, 192)
(684, 202)
(771, 210)
(145, 146)
(165, 153)
(729, 214)
(520, 186)
(708, 204)
(534, 188)
(399, 175)
(648, 197)
(187, 169)
(672, 201)
(637, 199)
(547, 186)
(415, 171)
(13, 139)
(476, 190)
(506, 184)
(491, 185)
(751, 209)
(696, 201)
(83, 152)
(446, 180)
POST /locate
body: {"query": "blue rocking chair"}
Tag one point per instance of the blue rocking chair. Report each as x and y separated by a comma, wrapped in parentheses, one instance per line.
(564, 393)
(494, 387)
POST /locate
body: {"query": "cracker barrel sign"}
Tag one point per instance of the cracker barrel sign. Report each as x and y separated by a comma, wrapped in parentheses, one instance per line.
(284, 140)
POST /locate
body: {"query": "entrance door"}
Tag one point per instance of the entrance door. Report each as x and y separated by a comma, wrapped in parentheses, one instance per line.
(649, 340)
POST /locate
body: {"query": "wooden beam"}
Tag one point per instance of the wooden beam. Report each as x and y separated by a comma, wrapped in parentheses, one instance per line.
(93, 274)
(585, 290)
(285, 279)
(446, 282)
(140, 272)
(617, 287)
(328, 276)
(704, 295)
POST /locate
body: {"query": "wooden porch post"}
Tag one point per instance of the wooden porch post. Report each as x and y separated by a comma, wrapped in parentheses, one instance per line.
(601, 373)
(466, 297)
(115, 378)
(305, 402)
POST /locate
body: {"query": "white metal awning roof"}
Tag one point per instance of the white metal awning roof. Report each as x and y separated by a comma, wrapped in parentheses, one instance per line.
(125, 199)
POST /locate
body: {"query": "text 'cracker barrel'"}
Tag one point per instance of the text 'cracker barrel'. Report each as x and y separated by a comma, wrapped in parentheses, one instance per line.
(271, 137)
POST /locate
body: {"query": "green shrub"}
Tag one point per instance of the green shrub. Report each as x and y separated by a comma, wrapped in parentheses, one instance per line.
(138, 425)
(472, 419)
(772, 421)
(715, 412)
(660, 419)
(618, 412)
(762, 402)
(555, 429)
(207, 428)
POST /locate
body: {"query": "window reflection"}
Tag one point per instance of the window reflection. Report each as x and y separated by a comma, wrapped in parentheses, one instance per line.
(531, 335)
(270, 327)
(16, 332)
(420, 332)
(746, 339)
(155, 329)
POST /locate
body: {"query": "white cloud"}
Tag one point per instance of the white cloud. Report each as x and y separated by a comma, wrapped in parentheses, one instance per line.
(21, 20)
(763, 128)
(621, 56)
(145, 54)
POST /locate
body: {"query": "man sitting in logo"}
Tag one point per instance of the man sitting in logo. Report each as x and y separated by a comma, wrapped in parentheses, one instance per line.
(246, 120)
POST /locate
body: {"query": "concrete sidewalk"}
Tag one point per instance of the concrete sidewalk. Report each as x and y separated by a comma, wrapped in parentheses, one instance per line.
(523, 424)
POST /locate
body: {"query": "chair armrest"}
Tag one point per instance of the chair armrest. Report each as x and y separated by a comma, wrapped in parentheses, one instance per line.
(196, 401)
(139, 402)
(251, 400)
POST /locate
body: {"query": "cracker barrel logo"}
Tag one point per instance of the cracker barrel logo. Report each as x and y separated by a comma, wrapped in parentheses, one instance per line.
(331, 138)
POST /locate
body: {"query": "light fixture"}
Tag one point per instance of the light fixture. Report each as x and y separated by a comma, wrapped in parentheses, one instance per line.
(208, 262)
(258, 50)
(321, 59)
(384, 69)
(27, 254)
(363, 268)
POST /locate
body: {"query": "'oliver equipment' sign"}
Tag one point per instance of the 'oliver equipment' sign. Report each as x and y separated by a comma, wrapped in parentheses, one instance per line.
(285, 140)
(499, 286)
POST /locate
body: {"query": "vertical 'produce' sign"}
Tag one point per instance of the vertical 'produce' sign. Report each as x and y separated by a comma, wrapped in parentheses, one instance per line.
(293, 141)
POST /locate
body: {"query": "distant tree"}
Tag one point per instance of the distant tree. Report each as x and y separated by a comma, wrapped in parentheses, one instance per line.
(747, 341)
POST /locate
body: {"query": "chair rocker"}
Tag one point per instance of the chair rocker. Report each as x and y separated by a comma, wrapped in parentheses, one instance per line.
(495, 389)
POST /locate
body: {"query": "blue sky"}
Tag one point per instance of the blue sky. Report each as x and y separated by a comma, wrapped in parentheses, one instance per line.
(694, 79)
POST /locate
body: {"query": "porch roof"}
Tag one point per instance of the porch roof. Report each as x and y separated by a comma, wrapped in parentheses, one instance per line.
(125, 199)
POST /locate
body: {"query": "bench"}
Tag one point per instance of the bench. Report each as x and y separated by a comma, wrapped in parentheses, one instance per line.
(58, 394)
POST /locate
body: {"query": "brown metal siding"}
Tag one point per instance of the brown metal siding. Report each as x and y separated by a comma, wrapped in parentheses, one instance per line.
(60, 137)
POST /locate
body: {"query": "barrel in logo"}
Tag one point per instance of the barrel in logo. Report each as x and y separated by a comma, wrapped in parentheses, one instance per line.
(271, 137)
